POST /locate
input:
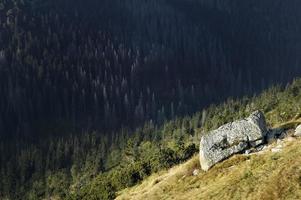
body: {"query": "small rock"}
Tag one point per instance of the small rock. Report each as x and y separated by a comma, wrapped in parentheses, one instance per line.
(195, 172)
(290, 139)
(279, 141)
(275, 150)
(247, 152)
(264, 147)
(260, 148)
(256, 143)
(298, 131)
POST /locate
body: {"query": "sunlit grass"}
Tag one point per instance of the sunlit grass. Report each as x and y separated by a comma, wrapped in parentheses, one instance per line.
(259, 176)
(265, 175)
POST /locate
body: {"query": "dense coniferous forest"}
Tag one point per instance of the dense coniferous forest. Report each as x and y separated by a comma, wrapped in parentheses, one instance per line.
(96, 95)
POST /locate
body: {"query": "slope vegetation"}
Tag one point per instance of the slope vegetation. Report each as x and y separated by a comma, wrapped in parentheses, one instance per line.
(265, 175)
(273, 173)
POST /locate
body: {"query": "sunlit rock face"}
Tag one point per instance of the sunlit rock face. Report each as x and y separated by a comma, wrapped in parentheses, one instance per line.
(232, 138)
(298, 131)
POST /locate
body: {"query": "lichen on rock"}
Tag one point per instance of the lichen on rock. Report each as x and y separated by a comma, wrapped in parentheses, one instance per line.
(232, 138)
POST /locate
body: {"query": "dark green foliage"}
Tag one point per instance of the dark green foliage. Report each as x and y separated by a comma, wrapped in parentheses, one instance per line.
(132, 70)
(99, 189)
(100, 64)
(96, 166)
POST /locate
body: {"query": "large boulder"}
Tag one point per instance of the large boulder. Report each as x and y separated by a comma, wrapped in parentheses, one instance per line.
(232, 138)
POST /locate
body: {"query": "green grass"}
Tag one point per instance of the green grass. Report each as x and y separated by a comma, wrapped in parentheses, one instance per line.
(259, 176)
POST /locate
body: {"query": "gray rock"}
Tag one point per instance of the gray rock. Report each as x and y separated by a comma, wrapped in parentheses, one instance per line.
(276, 149)
(232, 138)
(291, 139)
(195, 172)
(248, 151)
(260, 148)
(298, 131)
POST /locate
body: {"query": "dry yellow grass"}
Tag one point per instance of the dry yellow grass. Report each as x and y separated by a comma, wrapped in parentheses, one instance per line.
(266, 175)
(290, 124)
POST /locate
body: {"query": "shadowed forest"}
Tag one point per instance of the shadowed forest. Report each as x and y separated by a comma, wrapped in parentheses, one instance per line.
(87, 87)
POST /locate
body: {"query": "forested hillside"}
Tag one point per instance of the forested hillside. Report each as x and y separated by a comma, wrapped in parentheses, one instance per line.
(103, 64)
(96, 95)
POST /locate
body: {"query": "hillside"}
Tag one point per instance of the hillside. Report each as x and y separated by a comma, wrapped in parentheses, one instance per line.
(273, 173)
(263, 175)
(86, 167)
(98, 95)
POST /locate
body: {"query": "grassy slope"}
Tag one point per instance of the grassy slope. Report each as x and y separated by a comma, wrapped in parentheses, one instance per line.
(266, 175)
(259, 176)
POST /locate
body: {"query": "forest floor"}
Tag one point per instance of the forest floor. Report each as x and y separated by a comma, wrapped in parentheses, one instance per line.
(273, 173)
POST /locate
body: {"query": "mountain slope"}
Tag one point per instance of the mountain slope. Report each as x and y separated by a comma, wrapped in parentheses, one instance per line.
(98, 95)
(88, 167)
(265, 175)
(269, 174)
